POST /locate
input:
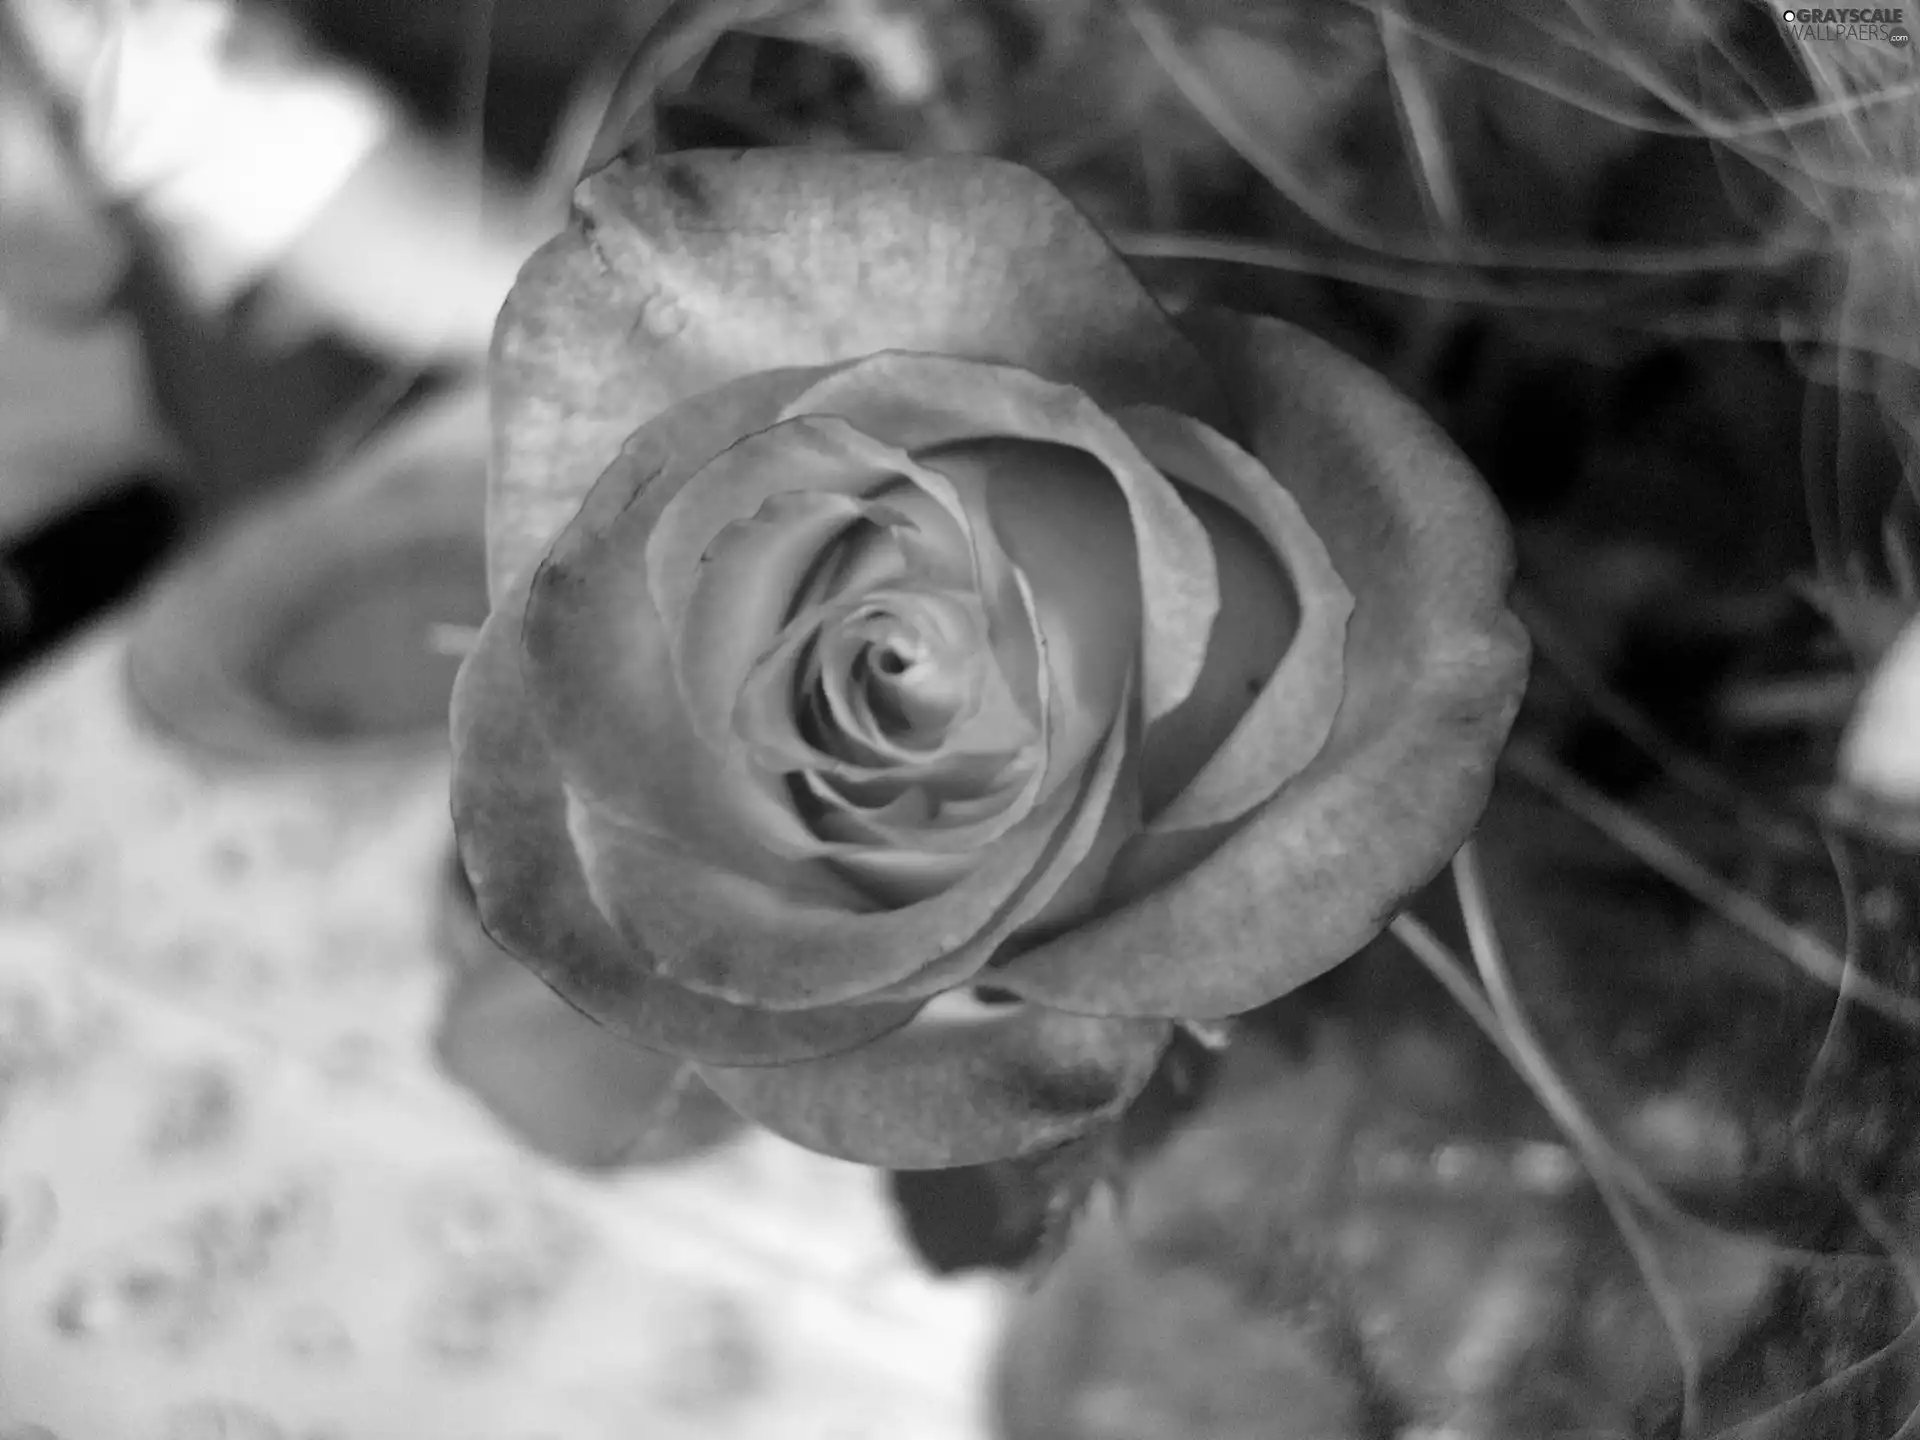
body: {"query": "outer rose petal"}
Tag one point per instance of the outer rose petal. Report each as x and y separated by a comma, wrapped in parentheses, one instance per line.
(1435, 668)
(945, 1092)
(703, 266)
(509, 817)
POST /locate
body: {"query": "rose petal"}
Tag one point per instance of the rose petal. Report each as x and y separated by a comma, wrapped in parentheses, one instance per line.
(747, 580)
(728, 934)
(907, 668)
(1105, 817)
(959, 1091)
(685, 868)
(1295, 701)
(570, 1088)
(696, 268)
(722, 603)
(818, 455)
(1089, 849)
(1084, 828)
(894, 878)
(600, 667)
(925, 402)
(1258, 615)
(849, 817)
(1435, 668)
(916, 820)
(987, 742)
(509, 817)
(1064, 525)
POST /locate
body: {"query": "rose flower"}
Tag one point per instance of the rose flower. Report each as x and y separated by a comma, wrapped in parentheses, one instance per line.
(890, 600)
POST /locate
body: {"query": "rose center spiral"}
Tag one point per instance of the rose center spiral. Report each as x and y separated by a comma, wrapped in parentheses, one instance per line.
(899, 672)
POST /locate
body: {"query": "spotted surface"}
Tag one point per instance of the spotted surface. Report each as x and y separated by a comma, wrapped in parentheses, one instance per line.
(232, 1181)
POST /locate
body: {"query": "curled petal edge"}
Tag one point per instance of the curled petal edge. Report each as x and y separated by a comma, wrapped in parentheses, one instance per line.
(1295, 709)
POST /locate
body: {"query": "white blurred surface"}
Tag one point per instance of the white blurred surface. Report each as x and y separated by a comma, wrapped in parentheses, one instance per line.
(240, 1203)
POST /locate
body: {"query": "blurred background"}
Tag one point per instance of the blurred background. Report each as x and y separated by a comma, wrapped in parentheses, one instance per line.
(1614, 1134)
